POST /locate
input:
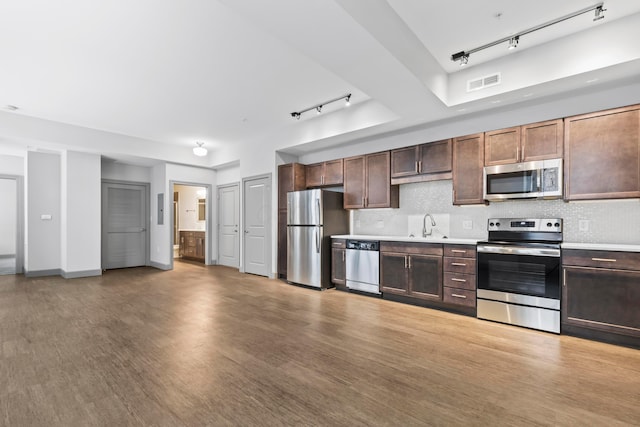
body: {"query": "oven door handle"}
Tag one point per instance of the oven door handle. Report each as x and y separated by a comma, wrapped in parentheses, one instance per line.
(519, 250)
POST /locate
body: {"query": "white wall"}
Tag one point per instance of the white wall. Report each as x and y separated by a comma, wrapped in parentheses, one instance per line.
(43, 198)
(11, 165)
(121, 172)
(228, 175)
(8, 219)
(81, 214)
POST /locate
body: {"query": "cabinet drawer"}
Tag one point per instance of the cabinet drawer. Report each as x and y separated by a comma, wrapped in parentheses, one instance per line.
(460, 265)
(412, 248)
(338, 243)
(461, 251)
(459, 280)
(459, 296)
(603, 259)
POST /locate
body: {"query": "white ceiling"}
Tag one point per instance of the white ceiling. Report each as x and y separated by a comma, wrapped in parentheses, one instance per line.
(229, 71)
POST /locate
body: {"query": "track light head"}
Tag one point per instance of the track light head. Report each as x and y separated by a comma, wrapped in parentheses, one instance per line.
(319, 109)
(464, 60)
(513, 42)
(461, 56)
(599, 12)
(347, 100)
(295, 115)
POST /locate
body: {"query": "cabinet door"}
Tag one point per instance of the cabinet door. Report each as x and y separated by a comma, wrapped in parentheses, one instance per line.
(543, 140)
(468, 163)
(338, 266)
(354, 171)
(502, 146)
(393, 273)
(291, 177)
(602, 299)
(282, 243)
(200, 246)
(435, 157)
(379, 193)
(425, 277)
(314, 174)
(183, 244)
(333, 172)
(602, 155)
(404, 161)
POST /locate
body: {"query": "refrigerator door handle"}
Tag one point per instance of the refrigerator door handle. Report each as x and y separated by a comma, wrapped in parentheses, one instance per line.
(318, 220)
(317, 240)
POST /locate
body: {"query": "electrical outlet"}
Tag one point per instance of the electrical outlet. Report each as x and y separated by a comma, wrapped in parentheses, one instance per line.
(467, 225)
(583, 225)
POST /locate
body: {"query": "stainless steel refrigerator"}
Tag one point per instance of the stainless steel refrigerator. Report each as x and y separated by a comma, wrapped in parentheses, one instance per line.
(313, 216)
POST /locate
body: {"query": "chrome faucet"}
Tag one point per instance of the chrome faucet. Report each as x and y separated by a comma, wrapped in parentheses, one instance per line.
(424, 225)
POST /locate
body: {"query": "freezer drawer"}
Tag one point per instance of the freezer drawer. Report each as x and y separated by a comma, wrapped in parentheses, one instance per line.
(304, 255)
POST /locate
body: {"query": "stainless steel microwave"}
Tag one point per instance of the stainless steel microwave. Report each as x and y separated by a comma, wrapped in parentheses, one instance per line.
(539, 179)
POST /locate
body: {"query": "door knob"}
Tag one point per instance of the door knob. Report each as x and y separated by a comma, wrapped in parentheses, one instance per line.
(246, 231)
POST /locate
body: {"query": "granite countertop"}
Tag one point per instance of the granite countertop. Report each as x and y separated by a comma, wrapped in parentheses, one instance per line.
(450, 240)
(602, 246)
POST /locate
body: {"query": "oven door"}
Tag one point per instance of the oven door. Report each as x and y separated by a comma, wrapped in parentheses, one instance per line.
(520, 270)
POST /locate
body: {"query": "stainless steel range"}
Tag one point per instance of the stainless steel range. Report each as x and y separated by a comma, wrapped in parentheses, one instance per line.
(519, 273)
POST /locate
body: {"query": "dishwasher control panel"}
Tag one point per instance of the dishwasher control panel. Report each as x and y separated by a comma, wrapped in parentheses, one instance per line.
(363, 245)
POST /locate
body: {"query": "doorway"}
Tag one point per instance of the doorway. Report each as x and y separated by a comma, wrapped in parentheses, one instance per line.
(257, 225)
(125, 224)
(11, 241)
(228, 225)
(190, 218)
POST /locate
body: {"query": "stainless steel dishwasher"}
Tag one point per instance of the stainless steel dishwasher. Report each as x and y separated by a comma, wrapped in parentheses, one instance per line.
(363, 266)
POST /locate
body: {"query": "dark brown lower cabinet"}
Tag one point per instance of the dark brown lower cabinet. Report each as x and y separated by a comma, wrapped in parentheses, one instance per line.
(414, 270)
(192, 245)
(338, 263)
(602, 299)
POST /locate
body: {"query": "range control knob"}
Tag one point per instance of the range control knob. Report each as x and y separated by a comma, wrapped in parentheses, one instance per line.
(491, 224)
(497, 224)
(557, 224)
(549, 224)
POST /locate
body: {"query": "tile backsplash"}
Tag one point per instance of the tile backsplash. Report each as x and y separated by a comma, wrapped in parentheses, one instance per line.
(612, 221)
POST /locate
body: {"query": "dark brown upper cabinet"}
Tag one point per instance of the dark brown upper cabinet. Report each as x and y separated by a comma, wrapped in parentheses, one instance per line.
(425, 162)
(468, 163)
(536, 141)
(602, 155)
(325, 173)
(367, 182)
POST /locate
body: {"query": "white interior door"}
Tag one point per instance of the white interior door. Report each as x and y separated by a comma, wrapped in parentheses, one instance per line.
(8, 225)
(124, 226)
(257, 226)
(228, 226)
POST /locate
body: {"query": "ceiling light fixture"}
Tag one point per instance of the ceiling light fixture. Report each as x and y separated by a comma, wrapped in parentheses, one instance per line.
(200, 151)
(318, 107)
(463, 56)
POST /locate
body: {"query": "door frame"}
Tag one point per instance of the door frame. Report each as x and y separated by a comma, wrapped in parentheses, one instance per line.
(207, 222)
(19, 179)
(269, 247)
(147, 217)
(218, 188)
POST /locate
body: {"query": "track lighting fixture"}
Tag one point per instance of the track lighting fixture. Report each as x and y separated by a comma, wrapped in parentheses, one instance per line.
(200, 151)
(347, 101)
(463, 56)
(513, 43)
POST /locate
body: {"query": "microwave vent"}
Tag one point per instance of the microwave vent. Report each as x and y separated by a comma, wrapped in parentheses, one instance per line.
(483, 82)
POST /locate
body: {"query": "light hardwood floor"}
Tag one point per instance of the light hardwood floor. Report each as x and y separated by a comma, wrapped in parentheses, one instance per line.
(209, 346)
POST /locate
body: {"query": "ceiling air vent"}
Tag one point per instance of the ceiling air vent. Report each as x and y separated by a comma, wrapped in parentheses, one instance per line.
(483, 82)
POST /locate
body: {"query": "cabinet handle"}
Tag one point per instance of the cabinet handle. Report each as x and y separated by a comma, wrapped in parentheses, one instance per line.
(419, 166)
(453, 279)
(409, 261)
(322, 179)
(459, 296)
(459, 264)
(564, 278)
(405, 261)
(604, 259)
(458, 251)
(517, 154)
(343, 252)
